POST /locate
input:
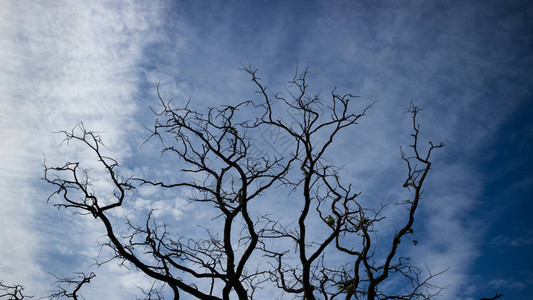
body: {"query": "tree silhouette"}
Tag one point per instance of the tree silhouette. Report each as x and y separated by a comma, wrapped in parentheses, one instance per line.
(327, 251)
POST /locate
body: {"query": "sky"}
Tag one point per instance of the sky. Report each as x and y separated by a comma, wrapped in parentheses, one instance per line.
(466, 63)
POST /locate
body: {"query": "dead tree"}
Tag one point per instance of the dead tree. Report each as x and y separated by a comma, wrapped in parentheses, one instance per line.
(244, 250)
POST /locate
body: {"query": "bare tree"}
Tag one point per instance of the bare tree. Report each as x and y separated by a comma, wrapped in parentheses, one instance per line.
(245, 248)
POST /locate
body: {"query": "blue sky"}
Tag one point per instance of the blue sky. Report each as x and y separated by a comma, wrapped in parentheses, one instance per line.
(466, 63)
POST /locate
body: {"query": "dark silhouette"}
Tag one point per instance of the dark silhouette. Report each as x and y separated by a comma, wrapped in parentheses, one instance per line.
(246, 248)
(12, 292)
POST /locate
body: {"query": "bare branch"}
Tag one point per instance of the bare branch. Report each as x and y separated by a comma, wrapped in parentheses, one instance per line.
(77, 283)
(12, 292)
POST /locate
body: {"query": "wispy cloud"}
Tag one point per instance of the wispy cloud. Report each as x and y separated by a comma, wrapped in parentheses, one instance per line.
(62, 63)
(513, 241)
(507, 283)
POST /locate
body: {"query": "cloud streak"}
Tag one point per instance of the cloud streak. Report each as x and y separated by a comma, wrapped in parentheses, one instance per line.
(63, 62)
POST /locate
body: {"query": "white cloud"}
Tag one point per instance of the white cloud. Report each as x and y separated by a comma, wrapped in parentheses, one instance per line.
(62, 62)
